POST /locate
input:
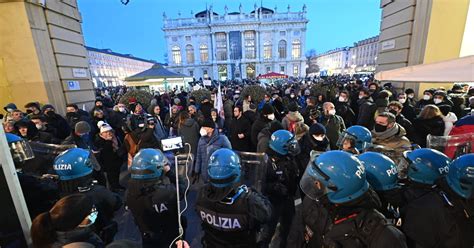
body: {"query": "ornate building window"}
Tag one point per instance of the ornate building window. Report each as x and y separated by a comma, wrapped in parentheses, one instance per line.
(249, 41)
(176, 55)
(221, 46)
(267, 50)
(282, 49)
(222, 72)
(204, 53)
(189, 54)
(296, 49)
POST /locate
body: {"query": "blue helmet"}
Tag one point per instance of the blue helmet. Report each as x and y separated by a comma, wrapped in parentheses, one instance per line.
(359, 135)
(382, 172)
(148, 164)
(337, 174)
(426, 165)
(283, 142)
(73, 163)
(460, 177)
(223, 168)
(19, 148)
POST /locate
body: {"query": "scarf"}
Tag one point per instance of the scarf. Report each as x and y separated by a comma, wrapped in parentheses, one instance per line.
(387, 133)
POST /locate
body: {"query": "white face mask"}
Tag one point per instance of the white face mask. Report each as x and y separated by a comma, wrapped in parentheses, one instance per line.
(342, 99)
(426, 97)
(411, 96)
(39, 126)
(271, 117)
(292, 96)
(121, 109)
(332, 112)
(10, 110)
(141, 125)
(318, 137)
(437, 100)
(214, 118)
(361, 96)
(402, 100)
(203, 132)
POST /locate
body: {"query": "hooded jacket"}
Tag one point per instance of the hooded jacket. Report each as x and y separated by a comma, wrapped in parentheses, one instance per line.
(291, 119)
(423, 127)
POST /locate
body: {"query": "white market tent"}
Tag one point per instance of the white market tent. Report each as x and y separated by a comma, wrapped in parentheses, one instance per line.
(454, 70)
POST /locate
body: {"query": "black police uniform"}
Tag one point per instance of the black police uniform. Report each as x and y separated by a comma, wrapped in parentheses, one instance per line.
(154, 208)
(355, 224)
(437, 217)
(280, 188)
(229, 218)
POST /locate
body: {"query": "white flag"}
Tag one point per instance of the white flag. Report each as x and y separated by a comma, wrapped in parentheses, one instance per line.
(218, 102)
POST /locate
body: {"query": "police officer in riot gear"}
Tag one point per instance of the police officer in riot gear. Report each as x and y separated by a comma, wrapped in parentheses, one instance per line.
(231, 213)
(75, 170)
(382, 175)
(151, 196)
(439, 209)
(281, 184)
(356, 139)
(40, 193)
(342, 206)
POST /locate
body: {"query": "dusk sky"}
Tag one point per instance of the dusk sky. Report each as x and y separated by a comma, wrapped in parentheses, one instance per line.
(136, 28)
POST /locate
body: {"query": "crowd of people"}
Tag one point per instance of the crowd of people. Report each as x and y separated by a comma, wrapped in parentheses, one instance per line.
(357, 156)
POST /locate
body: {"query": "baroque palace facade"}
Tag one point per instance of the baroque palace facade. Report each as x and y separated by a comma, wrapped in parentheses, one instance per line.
(237, 44)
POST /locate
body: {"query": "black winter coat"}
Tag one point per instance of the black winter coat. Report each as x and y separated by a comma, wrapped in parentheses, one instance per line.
(423, 127)
(366, 115)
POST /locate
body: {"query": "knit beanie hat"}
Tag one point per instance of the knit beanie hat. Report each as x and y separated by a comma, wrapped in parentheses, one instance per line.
(317, 129)
(409, 91)
(293, 107)
(267, 109)
(104, 126)
(208, 123)
(82, 127)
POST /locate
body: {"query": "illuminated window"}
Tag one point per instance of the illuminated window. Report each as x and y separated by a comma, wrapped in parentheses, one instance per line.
(296, 49)
(267, 50)
(221, 46)
(222, 71)
(282, 49)
(249, 37)
(176, 55)
(296, 70)
(204, 53)
(282, 69)
(189, 54)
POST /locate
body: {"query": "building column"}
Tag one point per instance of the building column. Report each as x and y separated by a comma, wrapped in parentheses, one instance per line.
(227, 47)
(242, 41)
(213, 48)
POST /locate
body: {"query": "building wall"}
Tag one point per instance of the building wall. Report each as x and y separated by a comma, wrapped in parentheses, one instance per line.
(363, 55)
(418, 31)
(40, 53)
(268, 27)
(334, 61)
(110, 69)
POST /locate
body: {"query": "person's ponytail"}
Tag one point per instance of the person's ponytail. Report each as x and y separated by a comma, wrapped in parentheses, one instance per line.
(42, 231)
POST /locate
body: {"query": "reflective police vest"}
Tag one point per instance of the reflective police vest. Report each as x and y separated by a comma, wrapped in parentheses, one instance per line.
(226, 224)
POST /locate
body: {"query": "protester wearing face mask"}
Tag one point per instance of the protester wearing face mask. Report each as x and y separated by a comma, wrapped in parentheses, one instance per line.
(333, 123)
(239, 133)
(266, 116)
(28, 131)
(367, 109)
(57, 121)
(209, 142)
(441, 98)
(33, 108)
(429, 121)
(408, 109)
(81, 136)
(344, 109)
(75, 115)
(411, 96)
(137, 118)
(389, 134)
(314, 140)
(292, 118)
(396, 108)
(9, 109)
(427, 99)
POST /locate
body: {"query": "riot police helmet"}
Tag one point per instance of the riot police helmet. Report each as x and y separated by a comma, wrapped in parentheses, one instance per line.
(381, 171)
(224, 168)
(74, 163)
(358, 135)
(337, 174)
(19, 148)
(148, 164)
(426, 165)
(460, 177)
(284, 142)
